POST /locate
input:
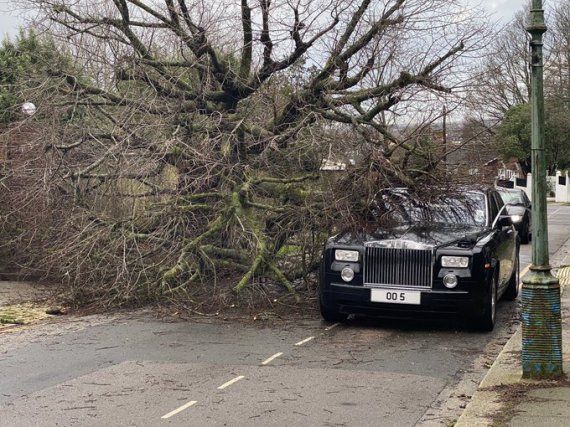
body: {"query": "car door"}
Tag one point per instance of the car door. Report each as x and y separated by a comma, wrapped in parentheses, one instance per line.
(528, 207)
(506, 243)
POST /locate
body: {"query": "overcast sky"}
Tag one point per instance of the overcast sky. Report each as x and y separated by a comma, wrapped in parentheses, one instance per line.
(504, 9)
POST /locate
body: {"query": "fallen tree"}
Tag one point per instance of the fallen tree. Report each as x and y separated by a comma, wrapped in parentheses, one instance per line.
(190, 144)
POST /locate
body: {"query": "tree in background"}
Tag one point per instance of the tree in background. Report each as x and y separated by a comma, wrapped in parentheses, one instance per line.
(503, 80)
(558, 89)
(25, 64)
(515, 135)
(558, 70)
(192, 150)
(500, 100)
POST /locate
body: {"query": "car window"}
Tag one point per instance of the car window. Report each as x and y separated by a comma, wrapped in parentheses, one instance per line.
(526, 199)
(467, 208)
(513, 197)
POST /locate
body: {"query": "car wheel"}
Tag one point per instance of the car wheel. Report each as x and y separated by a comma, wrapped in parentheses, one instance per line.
(331, 315)
(514, 283)
(525, 233)
(486, 320)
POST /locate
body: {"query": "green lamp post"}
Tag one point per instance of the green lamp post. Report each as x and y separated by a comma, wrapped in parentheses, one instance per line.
(541, 319)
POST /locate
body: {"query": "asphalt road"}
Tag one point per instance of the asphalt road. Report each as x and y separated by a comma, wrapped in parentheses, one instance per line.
(137, 371)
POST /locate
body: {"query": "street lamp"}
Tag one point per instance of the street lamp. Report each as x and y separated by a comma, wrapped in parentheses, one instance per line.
(541, 319)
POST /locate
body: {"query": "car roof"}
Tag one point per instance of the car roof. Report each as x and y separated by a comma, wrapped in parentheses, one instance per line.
(509, 190)
(462, 188)
(452, 191)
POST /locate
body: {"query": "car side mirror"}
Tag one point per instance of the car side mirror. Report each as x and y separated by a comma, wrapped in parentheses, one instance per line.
(504, 221)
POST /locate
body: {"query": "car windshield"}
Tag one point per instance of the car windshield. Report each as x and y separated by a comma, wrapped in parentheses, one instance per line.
(458, 209)
(512, 197)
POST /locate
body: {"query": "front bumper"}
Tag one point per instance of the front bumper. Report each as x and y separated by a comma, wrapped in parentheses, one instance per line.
(349, 299)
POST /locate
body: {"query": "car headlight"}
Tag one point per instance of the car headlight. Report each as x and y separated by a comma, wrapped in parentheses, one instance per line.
(516, 218)
(450, 281)
(344, 255)
(455, 261)
(347, 274)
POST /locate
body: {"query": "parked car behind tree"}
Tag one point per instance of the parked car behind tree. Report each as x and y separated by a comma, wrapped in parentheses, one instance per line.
(519, 208)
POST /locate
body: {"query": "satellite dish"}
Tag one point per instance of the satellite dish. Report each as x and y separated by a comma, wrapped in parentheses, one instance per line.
(29, 109)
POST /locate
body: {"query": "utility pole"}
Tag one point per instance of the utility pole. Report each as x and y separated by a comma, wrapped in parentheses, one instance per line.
(541, 319)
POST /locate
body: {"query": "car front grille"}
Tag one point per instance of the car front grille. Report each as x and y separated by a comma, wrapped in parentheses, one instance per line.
(398, 267)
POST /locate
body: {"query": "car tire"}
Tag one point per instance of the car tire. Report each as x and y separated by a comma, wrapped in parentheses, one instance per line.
(485, 321)
(514, 283)
(331, 315)
(525, 233)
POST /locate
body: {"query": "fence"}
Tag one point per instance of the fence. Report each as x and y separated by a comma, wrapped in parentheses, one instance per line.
(558, 186)
(562, 187)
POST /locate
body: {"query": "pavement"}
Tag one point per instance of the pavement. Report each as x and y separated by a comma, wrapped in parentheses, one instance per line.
(504, 398)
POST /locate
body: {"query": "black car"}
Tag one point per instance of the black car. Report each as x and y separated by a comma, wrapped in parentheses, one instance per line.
(519, 208)
(456, 254)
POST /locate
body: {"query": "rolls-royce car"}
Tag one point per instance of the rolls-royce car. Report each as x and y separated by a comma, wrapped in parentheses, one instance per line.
(451, 254)
(519, 208)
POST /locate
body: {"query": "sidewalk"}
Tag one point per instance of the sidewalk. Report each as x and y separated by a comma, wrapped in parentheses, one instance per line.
(505, 399)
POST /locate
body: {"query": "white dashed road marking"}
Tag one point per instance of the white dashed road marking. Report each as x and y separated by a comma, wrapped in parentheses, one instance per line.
(176, 411)
(304, 341)
(241, 377)
(554, 213)
(229, 383)
(332, 326)
(270, 359)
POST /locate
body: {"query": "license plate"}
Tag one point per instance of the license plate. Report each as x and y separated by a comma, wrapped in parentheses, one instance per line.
(393, 296)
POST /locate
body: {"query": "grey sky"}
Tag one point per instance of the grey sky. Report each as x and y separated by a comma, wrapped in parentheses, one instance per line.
(9, 22)
(504, 9)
